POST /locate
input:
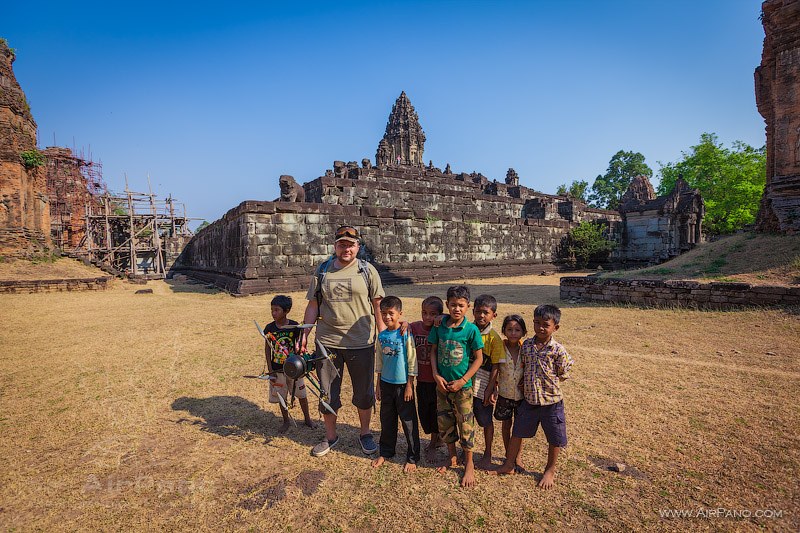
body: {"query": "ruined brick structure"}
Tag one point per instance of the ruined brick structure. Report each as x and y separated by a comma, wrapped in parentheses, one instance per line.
(777, 83)
(418, 223)
(659, 228)
(24, 210)
(73, 185)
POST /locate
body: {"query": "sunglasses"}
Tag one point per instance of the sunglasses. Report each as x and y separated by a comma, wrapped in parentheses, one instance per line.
(347, 231)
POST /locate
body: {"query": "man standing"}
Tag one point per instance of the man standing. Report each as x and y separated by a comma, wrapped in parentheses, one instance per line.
(345, 295)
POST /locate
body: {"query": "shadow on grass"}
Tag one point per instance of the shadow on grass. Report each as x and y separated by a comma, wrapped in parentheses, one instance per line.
(193, 286)
(508, 294)
(234, 416)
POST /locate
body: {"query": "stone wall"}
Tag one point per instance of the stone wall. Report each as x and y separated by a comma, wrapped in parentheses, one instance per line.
(778, 98)
(266, 246)
(676, 293)
(24, 210)
(54, 285)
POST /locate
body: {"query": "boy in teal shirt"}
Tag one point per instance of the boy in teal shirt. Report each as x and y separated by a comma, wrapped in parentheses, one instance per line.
(456, 354)
(396, 366)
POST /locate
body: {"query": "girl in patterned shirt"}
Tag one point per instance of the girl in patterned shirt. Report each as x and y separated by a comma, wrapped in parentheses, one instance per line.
(509, 375)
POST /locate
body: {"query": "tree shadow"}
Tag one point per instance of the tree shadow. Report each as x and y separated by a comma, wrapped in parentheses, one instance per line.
(234, 416)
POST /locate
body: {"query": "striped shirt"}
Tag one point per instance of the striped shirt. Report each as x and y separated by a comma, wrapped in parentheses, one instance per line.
(543, 371)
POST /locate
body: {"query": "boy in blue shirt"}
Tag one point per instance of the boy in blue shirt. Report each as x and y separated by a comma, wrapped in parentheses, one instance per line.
(396, 366)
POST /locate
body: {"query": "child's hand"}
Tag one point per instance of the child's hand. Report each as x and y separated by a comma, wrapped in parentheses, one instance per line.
(454, 386)
(378, 390)
(489, 397)
(493, 398)
(441, 384)
(438, 320)
(408, 395)
(403, 327)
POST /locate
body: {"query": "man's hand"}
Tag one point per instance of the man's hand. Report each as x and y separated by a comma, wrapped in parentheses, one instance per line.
(408, 395)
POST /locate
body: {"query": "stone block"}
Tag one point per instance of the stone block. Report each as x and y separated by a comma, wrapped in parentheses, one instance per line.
(757, 289)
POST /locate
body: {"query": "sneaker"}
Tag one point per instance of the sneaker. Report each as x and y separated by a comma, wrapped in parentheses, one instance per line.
(324, 447)
(368, 445)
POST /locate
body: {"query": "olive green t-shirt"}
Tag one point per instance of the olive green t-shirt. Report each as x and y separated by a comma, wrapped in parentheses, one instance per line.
(346, 315)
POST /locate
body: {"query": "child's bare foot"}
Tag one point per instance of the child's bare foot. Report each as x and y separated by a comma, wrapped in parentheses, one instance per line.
(452, 462)
(469, 476)
(409, 468)
(378, 462)
(485, 463)
(506, 469)
(548, 479)
(285, 426)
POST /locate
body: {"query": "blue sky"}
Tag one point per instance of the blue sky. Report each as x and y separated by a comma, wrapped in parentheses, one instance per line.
(216, 100)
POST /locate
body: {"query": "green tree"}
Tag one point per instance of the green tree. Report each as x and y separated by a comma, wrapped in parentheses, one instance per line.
(586, 243)
(577, 190)
(730, 180)
(202, 225)
(607, 190)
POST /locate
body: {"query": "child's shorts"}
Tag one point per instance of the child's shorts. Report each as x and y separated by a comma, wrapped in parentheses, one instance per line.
(483, 413)
(282, 386)
(550, 416)
(506, 409)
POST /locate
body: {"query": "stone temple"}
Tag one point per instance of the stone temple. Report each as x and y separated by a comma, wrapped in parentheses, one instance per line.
(420, 223)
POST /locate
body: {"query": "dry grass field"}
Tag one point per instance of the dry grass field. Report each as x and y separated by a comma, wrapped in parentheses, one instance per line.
(121, 411)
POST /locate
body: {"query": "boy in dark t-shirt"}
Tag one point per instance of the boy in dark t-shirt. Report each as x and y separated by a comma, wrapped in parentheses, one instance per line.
(432, 307)
(286, 341)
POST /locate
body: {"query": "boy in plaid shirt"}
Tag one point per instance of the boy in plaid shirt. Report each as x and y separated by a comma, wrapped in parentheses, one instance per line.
(545, 364)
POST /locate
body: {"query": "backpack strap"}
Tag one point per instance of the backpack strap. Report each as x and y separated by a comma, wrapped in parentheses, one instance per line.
(320, 275)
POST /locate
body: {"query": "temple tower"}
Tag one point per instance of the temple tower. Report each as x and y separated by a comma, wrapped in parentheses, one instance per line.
(24, 208)
(778, 102)
(404, 141)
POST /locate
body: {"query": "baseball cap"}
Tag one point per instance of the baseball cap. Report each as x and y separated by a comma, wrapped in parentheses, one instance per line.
(347, 233)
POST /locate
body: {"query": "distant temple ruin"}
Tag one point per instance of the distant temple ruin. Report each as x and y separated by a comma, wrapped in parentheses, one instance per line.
(777, 83)
(420, 223)
(24, 209)
(656, 229)
(74, 184)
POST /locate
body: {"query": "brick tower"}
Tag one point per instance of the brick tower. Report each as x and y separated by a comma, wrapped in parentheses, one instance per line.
(24, 210)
